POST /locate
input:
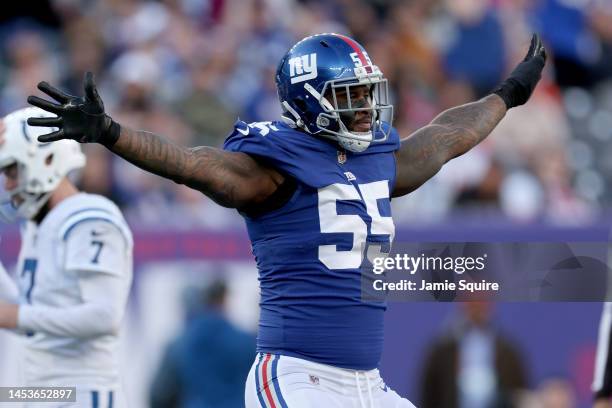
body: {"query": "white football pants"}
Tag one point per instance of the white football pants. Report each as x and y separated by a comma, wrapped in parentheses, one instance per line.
(277, 381)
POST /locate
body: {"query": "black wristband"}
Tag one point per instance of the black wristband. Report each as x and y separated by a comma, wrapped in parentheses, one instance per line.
(112, 134)
(517, 89)
(506, 94)
(507, 91)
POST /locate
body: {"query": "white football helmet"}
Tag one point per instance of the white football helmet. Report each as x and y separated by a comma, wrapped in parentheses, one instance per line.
(40, 166)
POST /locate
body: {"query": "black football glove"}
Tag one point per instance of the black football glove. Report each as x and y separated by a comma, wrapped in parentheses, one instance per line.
(517, 89)
(79, 118)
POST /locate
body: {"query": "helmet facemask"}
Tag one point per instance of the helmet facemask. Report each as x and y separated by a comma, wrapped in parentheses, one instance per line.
(315, 80)
(22, 200)
(30, 170)
(341, 110)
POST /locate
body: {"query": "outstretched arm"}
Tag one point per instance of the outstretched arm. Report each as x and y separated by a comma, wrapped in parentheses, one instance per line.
(457, 130)
(450, 134)
(231, 179)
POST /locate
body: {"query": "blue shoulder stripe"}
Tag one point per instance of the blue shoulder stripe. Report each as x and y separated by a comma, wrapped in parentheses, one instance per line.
(82, 210)
(109, 220)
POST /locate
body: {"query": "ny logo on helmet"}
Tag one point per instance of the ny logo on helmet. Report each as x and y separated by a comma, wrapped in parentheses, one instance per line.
(303, 68)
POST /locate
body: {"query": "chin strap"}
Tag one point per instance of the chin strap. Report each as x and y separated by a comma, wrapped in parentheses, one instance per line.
(297, 121)
(288, 121)
(33, 203)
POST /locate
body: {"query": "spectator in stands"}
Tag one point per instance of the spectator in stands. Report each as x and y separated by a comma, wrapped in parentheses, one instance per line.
(472, 365)
(476, 31)
(188, 68)
(582, 49)
(207, 365)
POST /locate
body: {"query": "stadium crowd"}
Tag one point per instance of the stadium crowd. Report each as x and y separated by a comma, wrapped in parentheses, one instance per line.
(188, 68)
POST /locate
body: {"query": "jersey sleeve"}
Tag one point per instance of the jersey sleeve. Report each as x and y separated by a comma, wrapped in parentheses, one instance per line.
(97, 245)
(103, 305)
(297, 154)
(267, 141)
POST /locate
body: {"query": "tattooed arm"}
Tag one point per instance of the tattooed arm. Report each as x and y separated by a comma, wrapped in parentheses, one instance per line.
(457, 130)
(231, 179)
(450, 134)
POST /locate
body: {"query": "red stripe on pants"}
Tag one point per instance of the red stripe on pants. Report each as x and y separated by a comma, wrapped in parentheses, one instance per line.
(264, 375)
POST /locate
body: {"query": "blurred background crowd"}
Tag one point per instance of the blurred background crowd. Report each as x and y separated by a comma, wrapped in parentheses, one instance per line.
(188, 68)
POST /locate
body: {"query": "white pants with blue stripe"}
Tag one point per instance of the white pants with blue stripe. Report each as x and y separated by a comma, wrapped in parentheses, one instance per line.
(288, 382)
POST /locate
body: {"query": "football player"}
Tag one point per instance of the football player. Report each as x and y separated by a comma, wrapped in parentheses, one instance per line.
(314, 190)
(74, 270)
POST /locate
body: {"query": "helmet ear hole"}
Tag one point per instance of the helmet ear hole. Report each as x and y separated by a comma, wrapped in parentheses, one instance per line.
(49, 159)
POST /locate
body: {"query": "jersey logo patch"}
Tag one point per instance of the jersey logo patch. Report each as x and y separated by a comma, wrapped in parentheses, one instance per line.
(341, 156)
(350, 176)
(313, 379)
(262, 127)
(303, 68)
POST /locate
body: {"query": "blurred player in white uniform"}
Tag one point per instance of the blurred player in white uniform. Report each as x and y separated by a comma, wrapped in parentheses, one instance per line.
(74, 270)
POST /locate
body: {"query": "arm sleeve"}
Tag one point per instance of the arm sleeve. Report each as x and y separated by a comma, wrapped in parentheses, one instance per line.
(101, 312)
(602, 380)
(8, 289)
(100, 257)
(97, 246)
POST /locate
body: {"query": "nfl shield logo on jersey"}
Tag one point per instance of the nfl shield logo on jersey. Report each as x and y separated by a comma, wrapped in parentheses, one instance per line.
(341, 156)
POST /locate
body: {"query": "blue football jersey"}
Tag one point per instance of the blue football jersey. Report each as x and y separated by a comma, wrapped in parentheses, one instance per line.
(309, 251)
